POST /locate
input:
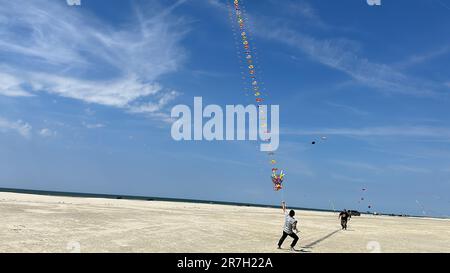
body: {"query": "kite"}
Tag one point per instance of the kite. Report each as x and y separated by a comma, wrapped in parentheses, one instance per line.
(247, 55)
(277, 179)
(323, 138)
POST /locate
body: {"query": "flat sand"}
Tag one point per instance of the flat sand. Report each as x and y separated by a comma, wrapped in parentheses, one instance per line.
(37, 223)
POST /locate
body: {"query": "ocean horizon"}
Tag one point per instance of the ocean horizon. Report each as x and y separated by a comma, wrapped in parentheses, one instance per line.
(186, 200)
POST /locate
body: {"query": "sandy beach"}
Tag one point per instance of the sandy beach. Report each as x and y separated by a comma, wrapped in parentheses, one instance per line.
(37, 223)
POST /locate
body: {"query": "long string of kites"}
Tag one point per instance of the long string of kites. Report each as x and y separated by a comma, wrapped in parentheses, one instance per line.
(248, 55)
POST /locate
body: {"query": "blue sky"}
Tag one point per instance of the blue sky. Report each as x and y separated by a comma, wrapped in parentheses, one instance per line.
(86, 93)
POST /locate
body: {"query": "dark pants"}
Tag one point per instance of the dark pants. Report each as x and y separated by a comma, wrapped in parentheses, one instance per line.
(344, 223)
(283, 237)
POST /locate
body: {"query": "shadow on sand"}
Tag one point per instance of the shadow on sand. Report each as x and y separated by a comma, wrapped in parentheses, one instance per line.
(297, 251)
(311, 245)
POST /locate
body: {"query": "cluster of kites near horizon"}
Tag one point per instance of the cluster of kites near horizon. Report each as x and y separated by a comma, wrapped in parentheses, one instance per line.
(247, 56)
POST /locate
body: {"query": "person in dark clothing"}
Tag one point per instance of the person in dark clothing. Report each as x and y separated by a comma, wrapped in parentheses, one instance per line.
(344, 216)
(290, 225)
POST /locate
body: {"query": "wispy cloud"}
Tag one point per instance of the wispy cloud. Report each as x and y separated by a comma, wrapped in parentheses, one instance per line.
(45, 132)
(216, 4)
(382, 131)
(423, 58)
(382, 168)
(358, 165)
(348, 108)
(20, 127)
(341, 177)
(446, 6)
(215, 159)
(93, 125)
(152, 107)
(340, 53)
(117, 93)
(207, 73)
(336, 53)
(11, 86)
(410, 169)
(57, 49)
(304, 10)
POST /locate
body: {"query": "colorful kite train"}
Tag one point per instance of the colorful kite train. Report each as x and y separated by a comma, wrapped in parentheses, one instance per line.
(247, 56)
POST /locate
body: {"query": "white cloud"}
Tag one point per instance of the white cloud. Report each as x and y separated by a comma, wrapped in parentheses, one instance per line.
(305, 11)
(117, 93)
(348, 108)
(93, 125)
(409, 169)
(89, 112)
(359, 165)
(423, 58)
(347, 178)
(11, 86)
(337, 54)
(46, 132)
(388, 131)
(216, 4)
(383, 168)
(20, 127)
(63, 51)
(152, 107)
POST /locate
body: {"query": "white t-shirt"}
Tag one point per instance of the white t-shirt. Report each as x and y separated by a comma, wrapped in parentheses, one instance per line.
(289, 223)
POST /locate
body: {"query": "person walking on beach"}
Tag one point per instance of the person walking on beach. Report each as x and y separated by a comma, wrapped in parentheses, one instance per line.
(290, 225)
(344, 216)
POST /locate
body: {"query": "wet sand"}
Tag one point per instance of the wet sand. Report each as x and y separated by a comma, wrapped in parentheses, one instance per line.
(37, 223)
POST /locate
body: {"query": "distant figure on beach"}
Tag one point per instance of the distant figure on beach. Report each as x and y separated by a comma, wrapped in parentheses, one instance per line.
(344, 216)
(290, 226)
